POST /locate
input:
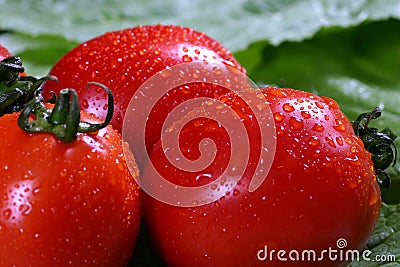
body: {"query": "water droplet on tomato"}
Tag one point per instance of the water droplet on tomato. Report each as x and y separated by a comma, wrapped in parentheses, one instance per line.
(278, 117)
(278, 93)
(339, 140)
(3, 229)
(26, 208)
(236, 192)
(352, 184)
(296, 123)
(142, 52)
(157, 52)
(306, 114)
(217, 70)
(85, 103)
(167, 72)
(318, 127)
(186, 89)
(339, 126)
(288, 107)
(63, 172)
(186, 58)
(7, 214)
(313, 141)
(319, 104)
(29, 175)
(348, 141)
(372, 196)
(262, 106)
(330, 141)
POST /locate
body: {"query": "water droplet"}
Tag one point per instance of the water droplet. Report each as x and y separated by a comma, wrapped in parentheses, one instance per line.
(352, 184)
(85, 103)
(217, 70)
(7, 214)
(63, 172)
(187, 58)
(348, 140)
(288, 107)
(29, 175)
(26, 208)
(262, 106)
(203, 175)
(306, 114)
(143, 52)
(330, 141)
(157, 52)
(277, 92)
(278, 117)
(236, 192)
(318, 127)
(313, 141)
(186, 89)
(339, 140)
(3, 229)
(320, 105)
(339, 126)
(167, 72)
(296, 123)
(373, 195)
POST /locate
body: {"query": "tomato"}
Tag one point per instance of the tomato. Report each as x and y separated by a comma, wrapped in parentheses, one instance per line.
(4, 53)
(125, 59)
(320, 193)
(65, 204)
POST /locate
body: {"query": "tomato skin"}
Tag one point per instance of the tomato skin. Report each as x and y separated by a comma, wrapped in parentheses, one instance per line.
(65, 204)
(123, 60)
(321, 187)
(4, 53)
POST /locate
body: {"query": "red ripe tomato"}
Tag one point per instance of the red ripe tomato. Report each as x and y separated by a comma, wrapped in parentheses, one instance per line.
(4, 53)
(321, 192)
(65, 204)
(125, 59)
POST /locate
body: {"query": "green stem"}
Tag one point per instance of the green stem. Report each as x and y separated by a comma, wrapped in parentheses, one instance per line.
(63, 120)
(379, 143)
(15, 90)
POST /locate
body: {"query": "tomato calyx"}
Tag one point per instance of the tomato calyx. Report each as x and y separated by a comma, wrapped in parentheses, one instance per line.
(62, 120)
(380, 144)
(16, 90)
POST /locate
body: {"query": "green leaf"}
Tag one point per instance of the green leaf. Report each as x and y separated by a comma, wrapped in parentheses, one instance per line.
(239, 23)
(384, 242)
(235, 23)
(38, 53)
(357, 66)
